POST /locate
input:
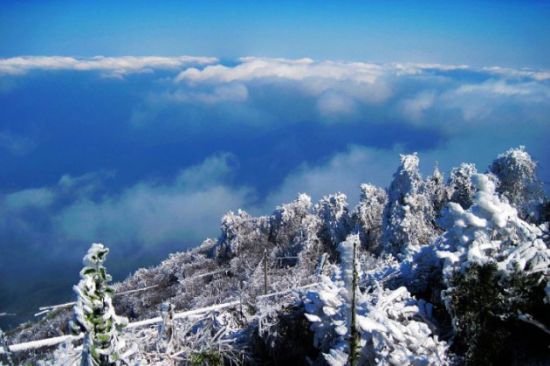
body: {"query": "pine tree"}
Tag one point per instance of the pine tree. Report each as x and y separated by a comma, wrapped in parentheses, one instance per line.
(332, 308)
(485, 308)
(368, 216)
(310, 248)
(436, 190)
(461, 188)
(518, 182)
(495, 268)
(242, 233)
(490, 231)
(335, 219)
(94, 313)
(286, 222)
(408, 216)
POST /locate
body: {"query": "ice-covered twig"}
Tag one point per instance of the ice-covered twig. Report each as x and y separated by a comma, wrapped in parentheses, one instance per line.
(181, 315)
(48, 342)
(48, 308)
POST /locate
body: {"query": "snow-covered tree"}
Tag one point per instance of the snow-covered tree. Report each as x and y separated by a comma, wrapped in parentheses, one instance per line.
(436, 190)
(461, 188)
(516, 172)
(329, 309)
(495, 267)
(389, 324)
(406, 179)
(368, 215)
(310, 246)
(242, 233)
(408, 217)
(286, 220)
(335, 218)
(491, 231)
(94, 313)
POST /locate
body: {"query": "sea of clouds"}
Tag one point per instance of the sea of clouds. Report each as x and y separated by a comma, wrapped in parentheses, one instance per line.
(147, 153)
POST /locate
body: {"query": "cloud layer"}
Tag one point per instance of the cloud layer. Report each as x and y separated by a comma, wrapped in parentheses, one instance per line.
(184, 209)
(112, 66)
(322, 125)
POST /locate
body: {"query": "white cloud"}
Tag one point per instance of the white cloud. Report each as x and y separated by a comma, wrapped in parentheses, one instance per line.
(409, 68)
(499, 87)
(15, 144)
(212, 169)
(415, 107)
(32, 197)
(483, 101)
(412, 93)
(111, 66)
(150, 214)
(187, 209)
(333, 105)
(233, 92)
(346, 90)
(184, 210)
(539, 75)
(252, 68)
(343, 172)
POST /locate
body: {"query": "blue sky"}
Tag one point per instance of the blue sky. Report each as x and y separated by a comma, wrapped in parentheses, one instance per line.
(99, 143)
(482, 33)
